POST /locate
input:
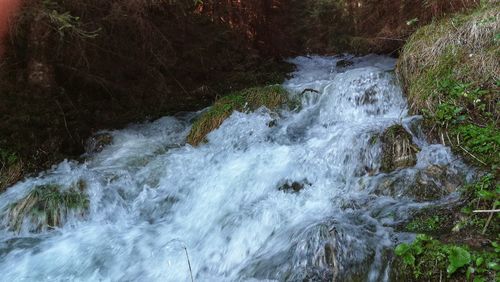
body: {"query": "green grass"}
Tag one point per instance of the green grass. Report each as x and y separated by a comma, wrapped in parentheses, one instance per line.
(271, 97)
(428, 224)
(47, 206)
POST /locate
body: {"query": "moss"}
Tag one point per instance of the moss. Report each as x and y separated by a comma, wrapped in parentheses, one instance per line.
(47, 206)
(250, 99)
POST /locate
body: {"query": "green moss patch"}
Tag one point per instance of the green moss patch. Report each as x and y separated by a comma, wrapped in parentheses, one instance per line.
(47, 206)
(250, 99)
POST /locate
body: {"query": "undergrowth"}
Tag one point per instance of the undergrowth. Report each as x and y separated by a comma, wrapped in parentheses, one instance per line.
(429, 259)
(250, 99)
(451, 73)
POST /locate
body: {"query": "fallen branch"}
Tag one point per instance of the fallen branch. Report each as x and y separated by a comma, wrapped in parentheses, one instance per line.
(486, 211)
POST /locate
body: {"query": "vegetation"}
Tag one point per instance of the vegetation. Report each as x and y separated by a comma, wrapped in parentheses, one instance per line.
(48, 206)
(250, 99)
(450, 70)
(429, 259)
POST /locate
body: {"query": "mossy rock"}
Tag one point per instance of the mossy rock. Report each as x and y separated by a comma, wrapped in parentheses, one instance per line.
(47, 207)
(398, 149)
(271, 97)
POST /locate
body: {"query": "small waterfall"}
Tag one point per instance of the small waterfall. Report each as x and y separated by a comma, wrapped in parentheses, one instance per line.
(301, 200)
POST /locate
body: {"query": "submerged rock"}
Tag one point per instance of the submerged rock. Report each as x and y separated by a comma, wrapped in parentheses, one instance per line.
(429, 184)
(294, 186)
(398, 149)
(344, 63)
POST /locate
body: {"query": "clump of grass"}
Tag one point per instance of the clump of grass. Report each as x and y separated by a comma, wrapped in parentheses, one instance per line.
(249, 99)
(48, 206)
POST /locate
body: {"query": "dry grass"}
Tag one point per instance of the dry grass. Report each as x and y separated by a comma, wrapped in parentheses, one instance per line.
(250, 99)
(465, 45)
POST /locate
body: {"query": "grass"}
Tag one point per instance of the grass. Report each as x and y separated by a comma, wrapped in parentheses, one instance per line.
(451, 73)
(47, 206)
(271, 97)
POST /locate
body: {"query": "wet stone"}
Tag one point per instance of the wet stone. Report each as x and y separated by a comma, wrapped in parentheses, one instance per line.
(294, 186)
(344, 63)
(368, 98)
(398, 149)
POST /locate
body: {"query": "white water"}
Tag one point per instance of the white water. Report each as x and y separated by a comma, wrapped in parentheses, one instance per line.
(151, 195)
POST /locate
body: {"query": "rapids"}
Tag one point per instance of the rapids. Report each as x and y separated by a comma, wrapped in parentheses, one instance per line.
(154, 201)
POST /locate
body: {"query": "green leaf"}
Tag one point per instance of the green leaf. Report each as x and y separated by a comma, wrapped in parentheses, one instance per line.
(402, 249)
(479, 261)
(457, 257)
(409, 259)
(494, 266)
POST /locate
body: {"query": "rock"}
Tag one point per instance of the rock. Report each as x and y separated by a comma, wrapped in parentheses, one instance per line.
(429, 184)
(368, 98)
(398, 149)
(344, 63)
(96, 143)
(294, 186)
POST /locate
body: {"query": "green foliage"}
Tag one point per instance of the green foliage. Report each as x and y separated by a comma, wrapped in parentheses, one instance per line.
(249, 99)
(427, 258)
(424, 225)
(65, 23)
(483, 142)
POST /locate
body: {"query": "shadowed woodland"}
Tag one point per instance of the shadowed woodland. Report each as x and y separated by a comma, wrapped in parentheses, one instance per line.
(72, 68)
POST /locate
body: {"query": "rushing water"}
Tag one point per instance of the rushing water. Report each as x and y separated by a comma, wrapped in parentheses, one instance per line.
(154, 200)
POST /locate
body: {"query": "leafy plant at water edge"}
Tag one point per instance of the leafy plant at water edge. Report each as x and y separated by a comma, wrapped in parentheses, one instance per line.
(427, 258)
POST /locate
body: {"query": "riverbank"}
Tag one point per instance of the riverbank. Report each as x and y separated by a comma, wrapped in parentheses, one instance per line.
(451, 73)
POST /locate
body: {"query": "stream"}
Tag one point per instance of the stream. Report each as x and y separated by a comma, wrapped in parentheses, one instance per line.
(290, 196)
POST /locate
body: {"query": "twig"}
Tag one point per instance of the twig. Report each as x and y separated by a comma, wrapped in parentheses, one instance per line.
(65, 122)
(476, 158)
(309, 90)
(490, 217)
(189, 264)
(486, 211)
